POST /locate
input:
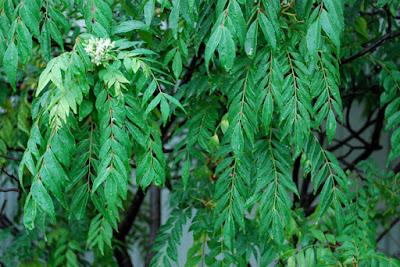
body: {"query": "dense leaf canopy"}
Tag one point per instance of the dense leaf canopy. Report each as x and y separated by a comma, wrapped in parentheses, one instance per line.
(233, 106)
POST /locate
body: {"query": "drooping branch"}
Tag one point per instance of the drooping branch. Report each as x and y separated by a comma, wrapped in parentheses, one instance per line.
(121, 254)
(368, 148)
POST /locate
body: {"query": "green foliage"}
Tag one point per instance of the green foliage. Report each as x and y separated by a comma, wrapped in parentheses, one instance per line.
(274, 211)
(327, 174)
(168, 240)
(226, 103)
(390, 79)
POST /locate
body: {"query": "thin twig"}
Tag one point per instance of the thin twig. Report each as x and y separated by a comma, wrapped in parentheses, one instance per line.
(5, 190)
(10, 175)
(374, 144)
(342, 142)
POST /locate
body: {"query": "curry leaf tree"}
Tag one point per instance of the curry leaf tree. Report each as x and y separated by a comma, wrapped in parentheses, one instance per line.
(231, 105)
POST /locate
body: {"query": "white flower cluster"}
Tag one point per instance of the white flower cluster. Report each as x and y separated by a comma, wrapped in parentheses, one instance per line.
(98, 49)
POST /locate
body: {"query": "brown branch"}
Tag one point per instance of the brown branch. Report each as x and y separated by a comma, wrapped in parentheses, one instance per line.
(9, 190)
(155, 216)
(373, 12)
(19, 150)
(5, 222)
(121, 254)
(357, 91)
(191, 69)
(374, 144)
(9, 158)
(308, 208)
(387, 230)
(389, 18)
(396, 168)
(10, 175)
(370, 47)
(350, 128)
(295, 177)
(304, 191)
(367, 124)
(193, 65)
